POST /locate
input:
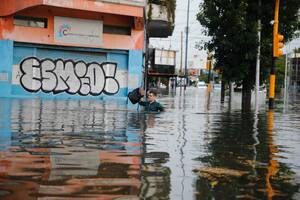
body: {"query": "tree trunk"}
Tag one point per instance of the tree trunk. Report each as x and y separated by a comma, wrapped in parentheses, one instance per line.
(248, 83)
(246, 95)
(222, 91)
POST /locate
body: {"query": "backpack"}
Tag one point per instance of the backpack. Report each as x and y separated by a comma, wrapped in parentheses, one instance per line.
(134, 96)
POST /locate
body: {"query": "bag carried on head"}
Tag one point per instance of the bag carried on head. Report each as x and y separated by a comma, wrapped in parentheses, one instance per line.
(135, 96)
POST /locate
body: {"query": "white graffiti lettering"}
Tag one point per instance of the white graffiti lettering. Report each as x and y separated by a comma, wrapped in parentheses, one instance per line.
(59, 76)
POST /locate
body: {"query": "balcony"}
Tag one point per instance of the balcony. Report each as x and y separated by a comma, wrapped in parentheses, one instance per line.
(160, 17)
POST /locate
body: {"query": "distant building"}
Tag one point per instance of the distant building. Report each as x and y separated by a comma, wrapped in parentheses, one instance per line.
(295, 72)
(193, 71)
(162, 64)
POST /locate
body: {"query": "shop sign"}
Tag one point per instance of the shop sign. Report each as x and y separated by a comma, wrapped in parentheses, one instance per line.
(81, 32)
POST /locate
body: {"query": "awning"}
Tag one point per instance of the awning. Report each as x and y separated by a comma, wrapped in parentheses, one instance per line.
(161, 75)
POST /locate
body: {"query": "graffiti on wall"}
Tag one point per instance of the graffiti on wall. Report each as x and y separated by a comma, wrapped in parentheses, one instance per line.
(78, 77)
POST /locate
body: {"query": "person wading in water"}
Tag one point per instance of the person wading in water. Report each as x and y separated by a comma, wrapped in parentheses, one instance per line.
(151, 105)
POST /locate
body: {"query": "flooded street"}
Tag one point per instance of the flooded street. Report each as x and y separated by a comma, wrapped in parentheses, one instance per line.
(197, 149)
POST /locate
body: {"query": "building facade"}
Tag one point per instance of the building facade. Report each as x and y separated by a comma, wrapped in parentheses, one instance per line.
(295, 73)
(71, 49)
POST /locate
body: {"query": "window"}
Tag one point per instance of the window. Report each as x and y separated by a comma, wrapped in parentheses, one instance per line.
(31, 21)
(120, 30)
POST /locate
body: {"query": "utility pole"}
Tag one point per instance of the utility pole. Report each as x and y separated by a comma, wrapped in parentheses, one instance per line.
(209, 66)
(181, 55)
(187, 43)
(258, 56)
(181, 52)
(146, 62)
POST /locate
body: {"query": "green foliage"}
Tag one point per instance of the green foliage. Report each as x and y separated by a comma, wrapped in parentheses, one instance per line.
(203, 77)
(170, 5)
(232, 26)
(149, 14)
(280, 71)
(154, 1)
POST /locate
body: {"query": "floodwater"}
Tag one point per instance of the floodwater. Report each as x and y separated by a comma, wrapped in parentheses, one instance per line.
(197, 149)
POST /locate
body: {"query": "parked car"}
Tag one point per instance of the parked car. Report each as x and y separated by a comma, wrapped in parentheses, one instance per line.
(201, 84)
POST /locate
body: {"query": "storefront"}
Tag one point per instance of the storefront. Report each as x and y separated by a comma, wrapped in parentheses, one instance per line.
(54, 49)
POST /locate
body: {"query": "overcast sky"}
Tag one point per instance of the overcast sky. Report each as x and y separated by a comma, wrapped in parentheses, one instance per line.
(196, 58)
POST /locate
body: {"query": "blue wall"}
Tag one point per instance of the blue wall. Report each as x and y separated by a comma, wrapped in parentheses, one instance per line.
(6, 62)
(14, 56)
(5, 124)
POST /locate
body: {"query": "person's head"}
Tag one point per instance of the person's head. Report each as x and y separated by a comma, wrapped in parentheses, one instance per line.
(151, 95)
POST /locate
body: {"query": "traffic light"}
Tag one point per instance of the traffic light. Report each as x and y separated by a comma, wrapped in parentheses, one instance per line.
(277, 45)
(208, 65)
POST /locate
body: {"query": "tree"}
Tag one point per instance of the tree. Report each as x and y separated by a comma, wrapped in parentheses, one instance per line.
(232, 26)
(280, 71)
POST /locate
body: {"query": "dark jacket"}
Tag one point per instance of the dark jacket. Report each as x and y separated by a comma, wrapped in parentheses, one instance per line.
(151, 107)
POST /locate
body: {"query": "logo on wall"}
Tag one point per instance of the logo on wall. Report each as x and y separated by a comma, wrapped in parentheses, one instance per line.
(64, 29)
(78, 77)
(82, 32)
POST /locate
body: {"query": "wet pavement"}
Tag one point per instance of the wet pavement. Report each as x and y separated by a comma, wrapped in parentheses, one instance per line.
(197, 149)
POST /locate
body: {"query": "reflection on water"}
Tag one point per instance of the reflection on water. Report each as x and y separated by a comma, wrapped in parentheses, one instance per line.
(197, 149)
(68, 149)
